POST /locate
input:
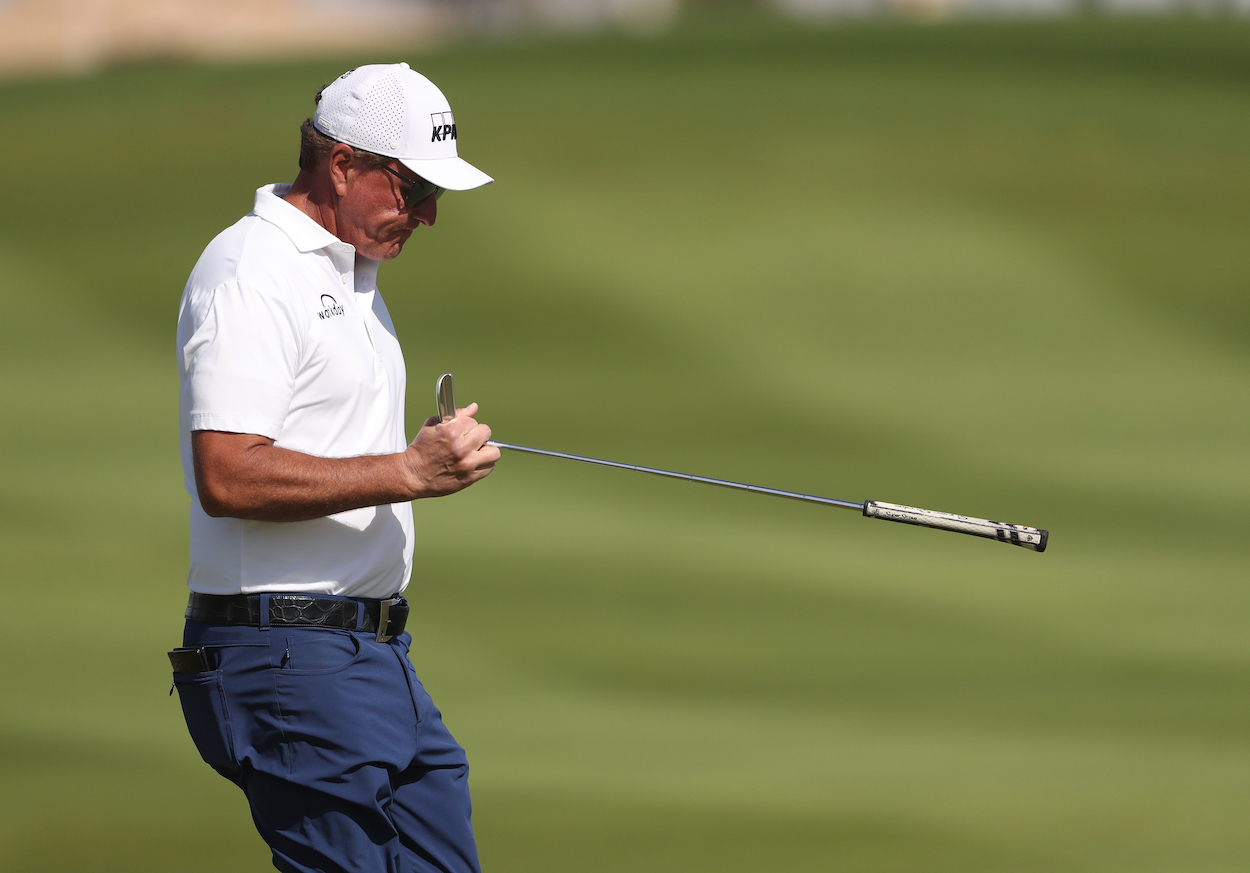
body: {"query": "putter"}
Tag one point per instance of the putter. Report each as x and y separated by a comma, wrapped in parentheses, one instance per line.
(1013, 534)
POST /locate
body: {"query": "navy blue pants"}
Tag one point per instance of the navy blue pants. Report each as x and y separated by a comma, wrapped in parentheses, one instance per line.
(343, 757)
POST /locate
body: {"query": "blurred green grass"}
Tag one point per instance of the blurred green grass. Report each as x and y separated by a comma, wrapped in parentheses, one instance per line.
(995, 268)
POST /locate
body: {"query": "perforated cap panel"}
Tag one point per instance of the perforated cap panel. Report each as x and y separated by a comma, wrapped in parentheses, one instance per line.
(393, 110)
(380, 119)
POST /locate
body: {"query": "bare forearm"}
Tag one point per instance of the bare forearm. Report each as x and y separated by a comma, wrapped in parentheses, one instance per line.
(247, 476)
(273, 484)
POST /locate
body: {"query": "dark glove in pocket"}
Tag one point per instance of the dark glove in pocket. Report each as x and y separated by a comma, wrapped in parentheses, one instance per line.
(208, 720)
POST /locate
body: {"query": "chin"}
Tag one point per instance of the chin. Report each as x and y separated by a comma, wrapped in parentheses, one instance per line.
(384, 252)
(396, 247)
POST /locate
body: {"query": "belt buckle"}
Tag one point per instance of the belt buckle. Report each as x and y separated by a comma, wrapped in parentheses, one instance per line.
(384, 619)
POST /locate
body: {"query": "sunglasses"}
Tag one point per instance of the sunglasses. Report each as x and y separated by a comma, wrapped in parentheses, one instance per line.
(415, 190)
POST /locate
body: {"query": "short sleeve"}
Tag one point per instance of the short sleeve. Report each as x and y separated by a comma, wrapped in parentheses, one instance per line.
(239, 348)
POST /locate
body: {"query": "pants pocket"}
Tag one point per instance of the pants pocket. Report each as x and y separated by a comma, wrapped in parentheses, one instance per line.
(320, 652)
(208, 720)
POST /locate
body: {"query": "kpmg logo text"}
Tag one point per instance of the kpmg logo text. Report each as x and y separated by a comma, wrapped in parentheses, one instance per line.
(331, 307)
(444, 126)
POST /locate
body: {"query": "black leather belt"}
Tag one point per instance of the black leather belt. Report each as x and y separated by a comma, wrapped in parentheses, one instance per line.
(385, 618)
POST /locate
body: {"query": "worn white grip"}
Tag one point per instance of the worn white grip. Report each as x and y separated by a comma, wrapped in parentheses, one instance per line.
(1015, 534)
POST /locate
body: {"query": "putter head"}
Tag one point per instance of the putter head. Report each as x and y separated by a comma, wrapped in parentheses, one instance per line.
(445, 396)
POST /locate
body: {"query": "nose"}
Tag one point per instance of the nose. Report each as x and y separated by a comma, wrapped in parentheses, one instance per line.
(425, 212)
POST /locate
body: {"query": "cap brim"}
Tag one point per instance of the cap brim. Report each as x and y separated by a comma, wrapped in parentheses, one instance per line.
(454, 174)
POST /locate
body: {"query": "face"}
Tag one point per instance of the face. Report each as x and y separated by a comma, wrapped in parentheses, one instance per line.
(372, 213)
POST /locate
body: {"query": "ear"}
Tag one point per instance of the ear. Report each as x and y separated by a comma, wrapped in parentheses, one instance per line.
(342, 167)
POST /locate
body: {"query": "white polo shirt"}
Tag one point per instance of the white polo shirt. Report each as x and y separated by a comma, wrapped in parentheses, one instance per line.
(282, 333)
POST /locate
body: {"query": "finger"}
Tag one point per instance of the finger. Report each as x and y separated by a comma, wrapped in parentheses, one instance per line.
(478, 436)
(432, 420)
(468, 411)
(484, 462)
(487, 456)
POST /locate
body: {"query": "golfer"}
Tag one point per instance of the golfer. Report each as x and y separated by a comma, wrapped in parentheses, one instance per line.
(294, 674)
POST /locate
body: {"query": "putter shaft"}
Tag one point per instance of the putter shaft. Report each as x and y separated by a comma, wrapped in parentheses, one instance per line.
(723, 483)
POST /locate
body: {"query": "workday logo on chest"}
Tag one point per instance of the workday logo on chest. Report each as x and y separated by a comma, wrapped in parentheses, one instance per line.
(330, 308)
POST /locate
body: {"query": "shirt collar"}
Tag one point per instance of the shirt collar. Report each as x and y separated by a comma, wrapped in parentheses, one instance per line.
(306, 234)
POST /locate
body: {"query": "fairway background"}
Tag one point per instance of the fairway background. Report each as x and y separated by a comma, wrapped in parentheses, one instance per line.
(990, 268)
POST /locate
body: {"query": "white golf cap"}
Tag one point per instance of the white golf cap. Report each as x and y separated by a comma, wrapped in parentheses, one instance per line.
(392, 110)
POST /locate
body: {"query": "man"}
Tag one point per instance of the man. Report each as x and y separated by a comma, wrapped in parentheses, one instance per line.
(293, 674)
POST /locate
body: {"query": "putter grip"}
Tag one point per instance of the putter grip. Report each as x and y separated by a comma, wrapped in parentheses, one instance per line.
(1015, 534)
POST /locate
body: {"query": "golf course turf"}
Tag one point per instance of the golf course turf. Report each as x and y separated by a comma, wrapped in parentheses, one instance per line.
(997, 268)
